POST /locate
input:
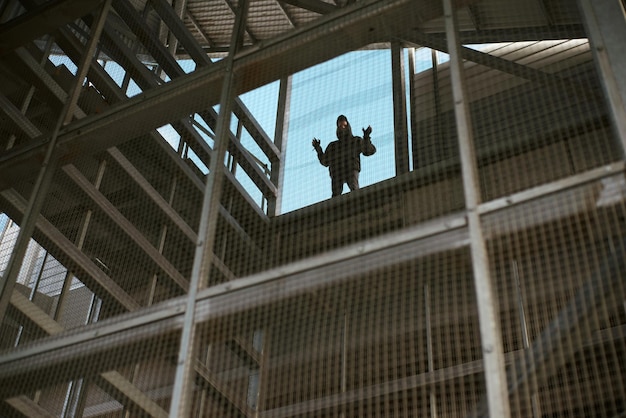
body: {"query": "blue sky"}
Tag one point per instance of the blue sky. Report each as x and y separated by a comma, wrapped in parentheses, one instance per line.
(357, 84)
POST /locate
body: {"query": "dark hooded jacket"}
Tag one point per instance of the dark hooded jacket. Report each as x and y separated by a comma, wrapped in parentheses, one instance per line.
(342, 157)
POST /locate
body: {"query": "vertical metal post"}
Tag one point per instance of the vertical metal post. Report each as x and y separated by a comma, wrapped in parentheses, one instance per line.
(605, 21)
(344, 356)
(76, 397)
(162, 239)
(7, 223)
(183, 384)
(412, 107)
(437, 97)
(401, 142)
(264, 354)
(48, 167)
(72, 404)
(33, 290)
(491, 338)
(179, 7)
(37, 281)
(524, 325)
(281, 132)
(429, 349)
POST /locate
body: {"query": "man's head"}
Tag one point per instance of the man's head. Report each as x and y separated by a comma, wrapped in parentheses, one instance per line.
(344, 131)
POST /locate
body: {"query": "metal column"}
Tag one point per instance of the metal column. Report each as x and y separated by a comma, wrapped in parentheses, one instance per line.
(491, 338)
(401, 144)
(605, 21)
(281, 132)
(185, 370)
(412, 107)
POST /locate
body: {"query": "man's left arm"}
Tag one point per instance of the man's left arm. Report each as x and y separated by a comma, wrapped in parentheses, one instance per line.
(367, 148)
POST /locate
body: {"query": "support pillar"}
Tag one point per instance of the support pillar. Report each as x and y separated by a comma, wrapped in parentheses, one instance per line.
(605, 21)
(491, 337)
(401, 131)
(282, 127)
(180, 405)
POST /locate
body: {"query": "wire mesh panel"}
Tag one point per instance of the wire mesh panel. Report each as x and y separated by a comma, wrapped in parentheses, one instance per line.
(187, 249)
(560, 288)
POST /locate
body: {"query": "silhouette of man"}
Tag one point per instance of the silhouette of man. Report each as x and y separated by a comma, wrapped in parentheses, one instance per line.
(343, 157)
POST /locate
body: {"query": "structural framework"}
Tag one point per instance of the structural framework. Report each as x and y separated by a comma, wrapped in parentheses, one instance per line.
(142, 276)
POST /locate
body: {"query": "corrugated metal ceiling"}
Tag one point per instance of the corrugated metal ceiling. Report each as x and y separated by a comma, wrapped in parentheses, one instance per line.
(211, 21)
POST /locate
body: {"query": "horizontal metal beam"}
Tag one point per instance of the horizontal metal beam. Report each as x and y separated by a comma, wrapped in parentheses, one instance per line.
(596, 174)
(263, 289)
(440, 234)
(387, 388)
(149, 325)
(520, 34)
(316, 6)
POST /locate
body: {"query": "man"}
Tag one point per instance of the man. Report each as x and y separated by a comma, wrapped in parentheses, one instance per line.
(343, 157)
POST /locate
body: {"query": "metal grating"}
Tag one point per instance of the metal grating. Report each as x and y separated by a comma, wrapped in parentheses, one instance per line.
(148, 265)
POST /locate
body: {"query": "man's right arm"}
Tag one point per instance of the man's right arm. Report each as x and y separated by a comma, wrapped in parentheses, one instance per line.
(320, 154)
